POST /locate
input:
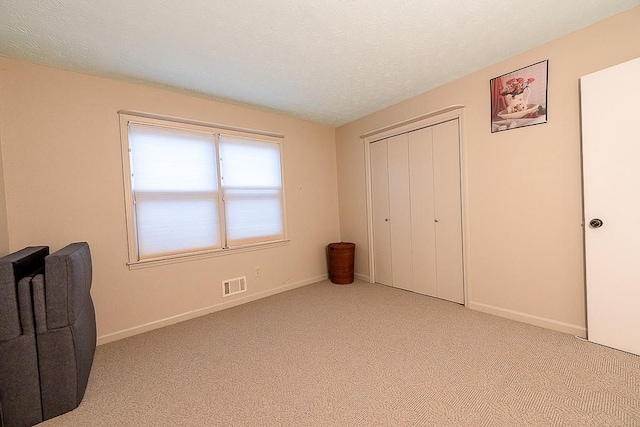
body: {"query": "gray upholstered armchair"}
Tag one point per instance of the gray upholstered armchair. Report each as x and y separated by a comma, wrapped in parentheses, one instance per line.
(65, 328)
(19, 382)
(47, 333)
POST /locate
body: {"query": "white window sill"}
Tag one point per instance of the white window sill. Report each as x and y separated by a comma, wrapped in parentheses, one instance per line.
(173, 259)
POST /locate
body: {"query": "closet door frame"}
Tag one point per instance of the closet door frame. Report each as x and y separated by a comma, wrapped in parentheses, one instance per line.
(425, 120)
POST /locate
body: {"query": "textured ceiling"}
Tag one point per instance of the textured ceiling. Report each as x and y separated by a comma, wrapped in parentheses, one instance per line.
(328, 61)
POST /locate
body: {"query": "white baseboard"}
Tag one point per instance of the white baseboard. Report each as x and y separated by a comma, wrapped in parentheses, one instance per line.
(362, 277)
(543, 322)
(125, 333)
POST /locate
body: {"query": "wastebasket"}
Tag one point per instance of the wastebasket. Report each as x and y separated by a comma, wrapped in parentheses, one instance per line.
(340, 259)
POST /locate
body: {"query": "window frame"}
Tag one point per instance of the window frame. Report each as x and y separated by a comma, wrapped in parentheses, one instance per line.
(129, 116)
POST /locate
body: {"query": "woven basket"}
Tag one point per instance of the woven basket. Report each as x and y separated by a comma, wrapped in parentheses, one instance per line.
(340, 258)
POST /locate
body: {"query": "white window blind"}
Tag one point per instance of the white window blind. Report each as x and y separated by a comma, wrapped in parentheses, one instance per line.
(252, 190)
(195, 189)
(175, 190)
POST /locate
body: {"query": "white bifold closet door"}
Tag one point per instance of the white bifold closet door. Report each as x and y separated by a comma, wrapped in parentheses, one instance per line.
(381, 212)
(417, 218)
(611, 183)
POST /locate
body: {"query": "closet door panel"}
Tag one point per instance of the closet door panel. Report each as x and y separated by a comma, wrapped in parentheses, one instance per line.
(400, 212)
(381, 224)
(423, 239)
(448, 211)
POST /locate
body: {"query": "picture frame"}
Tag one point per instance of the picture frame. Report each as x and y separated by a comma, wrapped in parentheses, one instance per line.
(519, 98)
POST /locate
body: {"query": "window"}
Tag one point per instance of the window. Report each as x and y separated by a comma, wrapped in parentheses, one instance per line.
(194, 188)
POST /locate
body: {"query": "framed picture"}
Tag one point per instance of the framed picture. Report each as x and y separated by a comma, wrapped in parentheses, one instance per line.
(519, 98)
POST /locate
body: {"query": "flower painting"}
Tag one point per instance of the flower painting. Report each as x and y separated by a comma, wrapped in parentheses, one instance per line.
(519, 98)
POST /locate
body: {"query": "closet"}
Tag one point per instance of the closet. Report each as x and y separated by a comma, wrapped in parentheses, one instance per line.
(416, 211)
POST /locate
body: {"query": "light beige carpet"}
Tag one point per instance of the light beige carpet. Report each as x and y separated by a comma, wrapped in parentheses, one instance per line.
(357, 355)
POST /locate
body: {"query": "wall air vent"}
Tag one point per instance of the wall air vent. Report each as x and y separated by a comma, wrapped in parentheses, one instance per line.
(234, 286)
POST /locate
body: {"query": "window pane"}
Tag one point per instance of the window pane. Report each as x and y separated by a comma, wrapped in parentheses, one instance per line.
(253, 216)
(168, 225)
(252, 189)
(166, 159)
(249, 163)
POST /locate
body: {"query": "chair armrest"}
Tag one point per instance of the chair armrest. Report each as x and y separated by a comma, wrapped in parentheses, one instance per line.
(68, 284)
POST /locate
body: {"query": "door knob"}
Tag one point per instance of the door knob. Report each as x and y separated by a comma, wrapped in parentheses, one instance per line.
(595, 223)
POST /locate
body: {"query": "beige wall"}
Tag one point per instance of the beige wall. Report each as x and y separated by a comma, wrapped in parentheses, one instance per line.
(524, 205)
(63, 179)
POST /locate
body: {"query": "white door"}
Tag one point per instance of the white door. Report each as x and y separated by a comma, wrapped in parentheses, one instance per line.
(380, 203)
(423, 236)
(611, 174)
(400, 212)
(448, 211)
(391, 212)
